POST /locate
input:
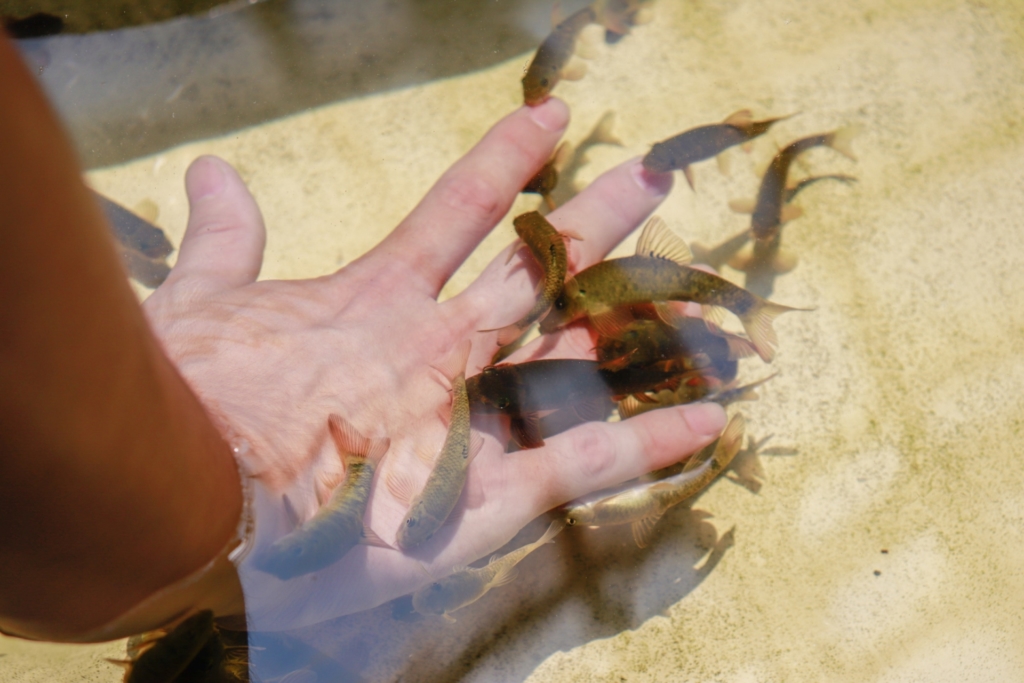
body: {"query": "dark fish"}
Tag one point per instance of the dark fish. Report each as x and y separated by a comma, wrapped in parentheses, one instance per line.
(658, 274)
(133, 231)
(704, 142)
(38, 25)
(770, 210)
(525, 390)
(148, 272)
(766, 259)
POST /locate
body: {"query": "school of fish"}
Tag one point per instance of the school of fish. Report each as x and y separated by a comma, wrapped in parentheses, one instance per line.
(658, 322)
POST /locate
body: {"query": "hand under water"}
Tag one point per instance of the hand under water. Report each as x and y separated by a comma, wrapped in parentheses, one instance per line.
(271, 360)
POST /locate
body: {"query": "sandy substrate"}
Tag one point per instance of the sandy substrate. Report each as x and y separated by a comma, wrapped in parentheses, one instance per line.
(889, 547)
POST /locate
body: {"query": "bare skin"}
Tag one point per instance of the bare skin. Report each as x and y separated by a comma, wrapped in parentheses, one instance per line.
(270, 360)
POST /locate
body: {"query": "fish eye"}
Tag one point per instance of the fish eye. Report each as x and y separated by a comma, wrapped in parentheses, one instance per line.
(410, 522)
(544, 82)
(571, 521)
(503, 403)
(560, 304)
(435, 587)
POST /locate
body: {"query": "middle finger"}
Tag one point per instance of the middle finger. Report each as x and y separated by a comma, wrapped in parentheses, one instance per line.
(603, 214)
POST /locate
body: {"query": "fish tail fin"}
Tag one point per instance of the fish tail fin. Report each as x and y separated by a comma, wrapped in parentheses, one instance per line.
(842, 140)
(603, 130)
(350, 442)
(454, 364)
(758, 324)
(553, 530)
(739, 347)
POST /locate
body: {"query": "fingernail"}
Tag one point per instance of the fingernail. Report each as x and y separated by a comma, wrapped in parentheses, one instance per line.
(656, 184)
(206, 178)
(705, 419)
(552, 115)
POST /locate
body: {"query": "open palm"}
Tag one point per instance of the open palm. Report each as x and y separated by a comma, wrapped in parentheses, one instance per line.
(271, 360)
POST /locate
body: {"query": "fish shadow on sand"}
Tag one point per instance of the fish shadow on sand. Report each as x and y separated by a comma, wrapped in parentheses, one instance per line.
(590, 584)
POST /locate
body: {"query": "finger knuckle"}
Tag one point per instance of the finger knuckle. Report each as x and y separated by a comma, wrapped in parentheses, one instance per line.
(593, 450)
(473, 196)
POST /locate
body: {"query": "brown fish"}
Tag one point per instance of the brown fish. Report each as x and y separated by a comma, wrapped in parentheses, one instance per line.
(555, 61)
(547, 246)
(770, 208)
(545, 180)
(658, 273)
(337, 526)
(169, 655)
(704, 142)
(643, 505)
(429, 510)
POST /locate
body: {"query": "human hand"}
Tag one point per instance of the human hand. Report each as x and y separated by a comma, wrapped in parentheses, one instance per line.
(271, 360)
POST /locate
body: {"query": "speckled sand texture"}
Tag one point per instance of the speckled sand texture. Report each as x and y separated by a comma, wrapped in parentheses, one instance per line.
(901, 392)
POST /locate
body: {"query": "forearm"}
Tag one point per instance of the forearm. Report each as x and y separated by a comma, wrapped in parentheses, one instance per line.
(113, 481)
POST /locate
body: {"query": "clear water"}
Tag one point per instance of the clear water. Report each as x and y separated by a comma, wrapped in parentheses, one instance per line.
(883, 540)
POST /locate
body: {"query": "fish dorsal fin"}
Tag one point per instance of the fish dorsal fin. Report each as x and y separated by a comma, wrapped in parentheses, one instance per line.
(629, 406)
(740, 119)
(657, 240)
(701, 457)
(401, 485)
(643, 529)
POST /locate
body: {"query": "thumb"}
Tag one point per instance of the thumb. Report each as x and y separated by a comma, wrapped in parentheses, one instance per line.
(224, 240)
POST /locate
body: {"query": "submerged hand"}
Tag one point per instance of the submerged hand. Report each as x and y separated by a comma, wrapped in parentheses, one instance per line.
(271, 360)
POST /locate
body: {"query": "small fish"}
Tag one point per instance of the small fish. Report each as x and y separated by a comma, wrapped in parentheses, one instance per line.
(555, 60)
(466, 585)
(643, 505)
(169, 655)
(766, 259)
(337, 526)
(659, 273)
(148, 272)
(429, 510)
(523, 391)
(704, 142)
(547, 246)
(545, 180)
(770, 208)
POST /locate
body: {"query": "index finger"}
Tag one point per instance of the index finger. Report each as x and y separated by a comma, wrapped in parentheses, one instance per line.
(471, 197)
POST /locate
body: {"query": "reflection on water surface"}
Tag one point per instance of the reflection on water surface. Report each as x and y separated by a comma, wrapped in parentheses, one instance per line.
(900, 391)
